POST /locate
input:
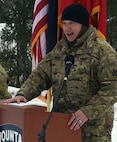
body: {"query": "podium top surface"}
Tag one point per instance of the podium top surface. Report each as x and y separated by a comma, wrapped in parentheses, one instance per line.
(28, 108)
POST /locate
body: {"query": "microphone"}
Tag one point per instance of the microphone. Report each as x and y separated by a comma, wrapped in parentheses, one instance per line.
(69, 61)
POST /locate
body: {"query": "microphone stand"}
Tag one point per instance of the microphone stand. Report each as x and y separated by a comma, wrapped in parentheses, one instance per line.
(41, 135)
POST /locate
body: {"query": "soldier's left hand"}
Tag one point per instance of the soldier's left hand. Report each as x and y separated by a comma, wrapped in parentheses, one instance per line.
(77, 120)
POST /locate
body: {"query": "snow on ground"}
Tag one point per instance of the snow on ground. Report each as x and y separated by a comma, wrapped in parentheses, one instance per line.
(12, 90)
(114, 130)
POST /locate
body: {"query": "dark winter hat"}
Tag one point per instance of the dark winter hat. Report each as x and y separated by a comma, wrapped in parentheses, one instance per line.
(76, 13)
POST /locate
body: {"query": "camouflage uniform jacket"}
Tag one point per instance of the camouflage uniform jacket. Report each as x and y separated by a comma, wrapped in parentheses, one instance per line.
(4, 84)
(91, 84)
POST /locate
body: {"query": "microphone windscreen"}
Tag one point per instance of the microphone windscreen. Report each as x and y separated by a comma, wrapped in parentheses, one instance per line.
(69, 59)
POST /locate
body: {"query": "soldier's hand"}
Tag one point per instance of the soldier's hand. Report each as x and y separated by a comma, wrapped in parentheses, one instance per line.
(16, 99)
(77, 120)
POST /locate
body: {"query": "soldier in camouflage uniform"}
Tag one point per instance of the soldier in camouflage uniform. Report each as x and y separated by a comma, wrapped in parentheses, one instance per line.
(91, 84)
(4, 84)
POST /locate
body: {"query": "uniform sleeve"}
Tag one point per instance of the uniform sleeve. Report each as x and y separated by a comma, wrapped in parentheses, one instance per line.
(39, 80)
(4, 78)
(101, 104)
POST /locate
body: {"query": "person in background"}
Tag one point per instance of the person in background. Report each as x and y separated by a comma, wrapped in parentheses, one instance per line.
(4, 94)
(91, 88)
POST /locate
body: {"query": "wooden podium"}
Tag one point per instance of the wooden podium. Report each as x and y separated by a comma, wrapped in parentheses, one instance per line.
(31, 119)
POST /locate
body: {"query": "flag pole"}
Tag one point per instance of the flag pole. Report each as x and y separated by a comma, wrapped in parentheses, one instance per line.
(48, 99)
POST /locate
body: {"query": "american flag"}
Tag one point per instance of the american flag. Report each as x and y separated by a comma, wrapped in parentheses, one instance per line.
(39, 31)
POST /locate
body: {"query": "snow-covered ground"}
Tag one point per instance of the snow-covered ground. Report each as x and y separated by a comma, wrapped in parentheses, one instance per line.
(114, 130)
(13, 91)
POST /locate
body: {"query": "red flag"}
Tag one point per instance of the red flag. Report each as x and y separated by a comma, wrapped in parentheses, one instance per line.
(61, 5)
(39, 31)
(101, 20)
(97, 11)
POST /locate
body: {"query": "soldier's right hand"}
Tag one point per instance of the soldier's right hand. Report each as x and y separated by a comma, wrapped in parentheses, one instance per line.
(16, 99)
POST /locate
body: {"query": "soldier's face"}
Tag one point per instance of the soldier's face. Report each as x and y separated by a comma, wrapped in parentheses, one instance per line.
(71, 29)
